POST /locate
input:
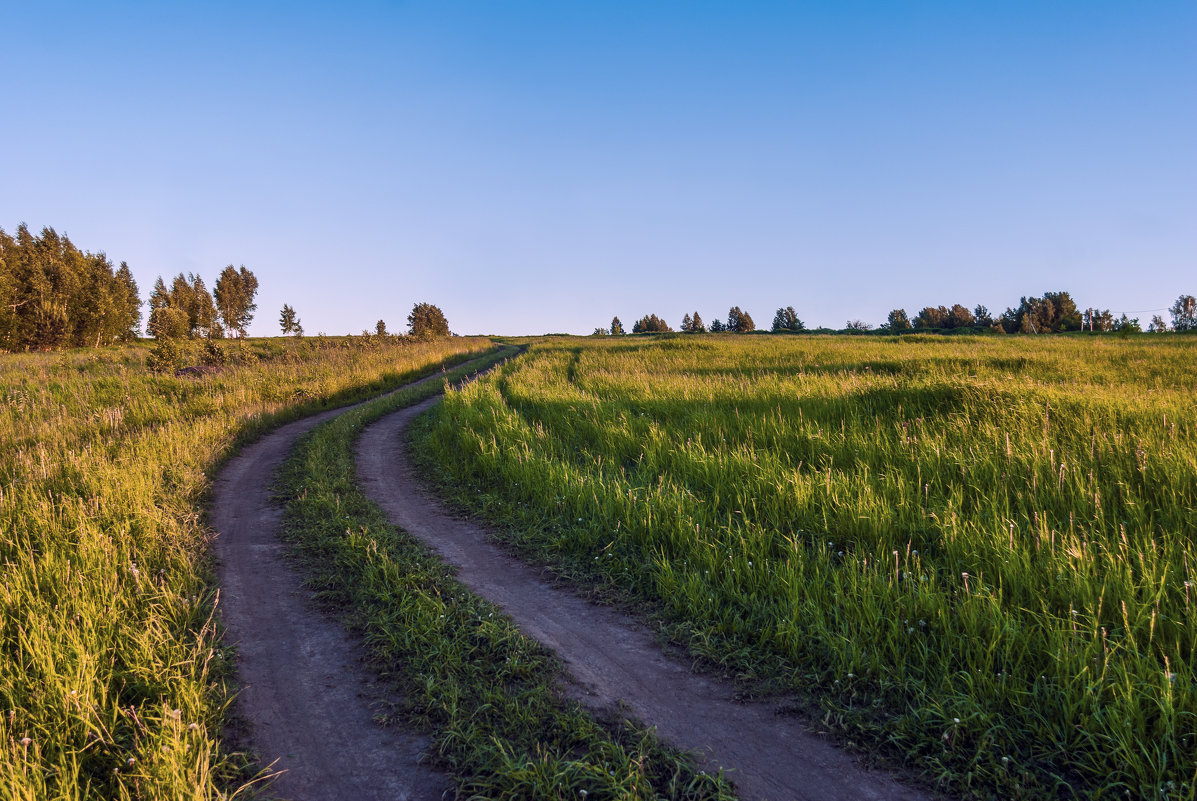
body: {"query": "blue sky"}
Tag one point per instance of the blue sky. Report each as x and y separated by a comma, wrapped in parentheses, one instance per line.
(538, 167)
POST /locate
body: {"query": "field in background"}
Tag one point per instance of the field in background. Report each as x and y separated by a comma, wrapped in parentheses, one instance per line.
(112, 677)
(975, 553)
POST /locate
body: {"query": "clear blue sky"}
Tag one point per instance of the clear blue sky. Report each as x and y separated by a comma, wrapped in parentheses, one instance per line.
(537, 167)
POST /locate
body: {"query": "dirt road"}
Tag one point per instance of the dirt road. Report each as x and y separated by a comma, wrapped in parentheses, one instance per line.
(308, 699)
(613, 659)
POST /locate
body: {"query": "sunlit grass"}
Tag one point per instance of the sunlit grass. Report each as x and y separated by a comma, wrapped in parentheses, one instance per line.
(113, 681)
(976, 552)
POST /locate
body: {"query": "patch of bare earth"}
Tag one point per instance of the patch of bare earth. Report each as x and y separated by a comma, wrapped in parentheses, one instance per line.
(613, 660)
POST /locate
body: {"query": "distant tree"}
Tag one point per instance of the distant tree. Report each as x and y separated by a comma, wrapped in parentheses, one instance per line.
(189, 297)
(601, 332)
(128, 305)
(1097, 320)
(697, 326)
(960, 317)
(1184, 313)
(650, 324)
(169, 322)
(932, 317)
(739, 322)
(159, 295)
(787, 320)
(687, 323)
(1128, 325)
(1031, 316)
(982, 317)
(717, 326)
(235, 291)
(898, 321)
(427, 322)
(856, 325)
(288, 321)
(380, 328)
(1065, 315)
(1157, 325)
(616, 327)
(159, 299)
(1054, 312)
(190, 294)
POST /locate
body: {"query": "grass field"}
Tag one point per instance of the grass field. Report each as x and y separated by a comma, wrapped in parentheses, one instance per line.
(112, 676)
(974, 553)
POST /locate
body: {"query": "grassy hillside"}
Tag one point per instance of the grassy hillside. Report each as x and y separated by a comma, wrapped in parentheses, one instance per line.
(112, 675)
(974, 553)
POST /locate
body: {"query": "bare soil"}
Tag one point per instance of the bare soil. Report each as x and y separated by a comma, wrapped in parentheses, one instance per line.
(613, 660)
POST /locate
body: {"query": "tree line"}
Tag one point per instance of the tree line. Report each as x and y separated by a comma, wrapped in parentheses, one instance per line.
(738, 322)
(54, 295)
(1053, 312)
(187, 309)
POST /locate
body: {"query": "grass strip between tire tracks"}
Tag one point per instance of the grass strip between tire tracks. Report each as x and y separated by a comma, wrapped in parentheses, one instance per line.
(487, 693)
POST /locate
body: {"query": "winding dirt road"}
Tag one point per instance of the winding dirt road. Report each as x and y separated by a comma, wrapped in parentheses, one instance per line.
(307, 696)
(613, 659)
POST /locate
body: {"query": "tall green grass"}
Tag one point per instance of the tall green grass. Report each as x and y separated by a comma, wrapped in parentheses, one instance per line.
(113, 678)
(975, 553)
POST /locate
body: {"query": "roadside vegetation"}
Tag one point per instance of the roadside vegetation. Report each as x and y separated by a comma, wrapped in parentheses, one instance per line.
(113, 678)
(973, 553)
(489, 695)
